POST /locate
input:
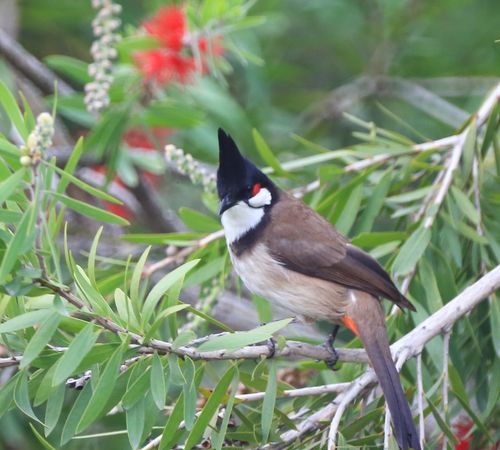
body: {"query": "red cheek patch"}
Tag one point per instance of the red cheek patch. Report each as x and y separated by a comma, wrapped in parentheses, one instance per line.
(256, 189)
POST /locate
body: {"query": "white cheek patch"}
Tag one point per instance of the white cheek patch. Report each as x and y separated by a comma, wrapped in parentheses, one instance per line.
(262, 198)
(240, 219)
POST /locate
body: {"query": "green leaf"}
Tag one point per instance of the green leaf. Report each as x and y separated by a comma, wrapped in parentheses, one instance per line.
(9, 185)
(73, 356)
(465, 205)
(22, 398)
(350, 211)
(158, 384)
(495, 325)
(93, 296)
(92, 253)
(442, 423)
(70, 166)
(219, 437)
(375, 203)
(40, 339)
(162, 286)
(125, 309)
(468, 148)
(235, 341)
(267, 155)
(19, 244)
(7, 394)
(168, 437)
(73, 68)
(54, 408)
(136, 279)
(25, 320)
(269, 402)
(90, 210)
(198, 221)
(83, 186)
(46, 444)
(75, 414)
(136, 389)
(376, 238)
(411, 251)
(211, 407)
(161, 317)
(9, 103)
(102, 391)
(491, 128)
(190, 392)
(135, 422)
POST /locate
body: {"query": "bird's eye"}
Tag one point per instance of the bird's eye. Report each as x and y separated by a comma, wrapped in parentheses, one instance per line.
(256, 189)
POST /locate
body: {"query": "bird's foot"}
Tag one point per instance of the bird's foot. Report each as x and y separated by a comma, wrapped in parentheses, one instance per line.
(332, 360)
(271, 345)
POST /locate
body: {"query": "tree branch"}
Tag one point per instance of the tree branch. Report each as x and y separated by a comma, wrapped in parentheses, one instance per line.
(31, 67)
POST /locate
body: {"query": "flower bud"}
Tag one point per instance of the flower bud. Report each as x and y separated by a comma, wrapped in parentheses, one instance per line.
(25, 160)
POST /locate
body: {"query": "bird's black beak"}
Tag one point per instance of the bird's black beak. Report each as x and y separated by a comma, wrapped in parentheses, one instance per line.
(227, 202)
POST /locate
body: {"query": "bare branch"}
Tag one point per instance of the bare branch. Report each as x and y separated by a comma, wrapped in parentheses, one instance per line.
(32, 69)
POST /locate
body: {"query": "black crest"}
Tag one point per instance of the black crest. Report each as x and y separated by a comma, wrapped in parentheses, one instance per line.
(235, 172)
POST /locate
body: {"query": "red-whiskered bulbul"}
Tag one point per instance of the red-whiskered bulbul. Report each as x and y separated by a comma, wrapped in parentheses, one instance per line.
(289, 254)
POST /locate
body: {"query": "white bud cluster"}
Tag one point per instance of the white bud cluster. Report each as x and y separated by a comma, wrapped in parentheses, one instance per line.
(187, 165)
(103, 52)
(39, 140)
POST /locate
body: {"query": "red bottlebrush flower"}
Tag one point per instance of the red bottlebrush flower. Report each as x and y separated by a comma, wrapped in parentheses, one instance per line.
(462, 428)
(136, 138)
(165, 67)
(168, 26)
(214, 46)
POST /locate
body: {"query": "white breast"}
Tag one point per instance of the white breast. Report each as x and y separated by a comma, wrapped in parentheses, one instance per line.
(305, 297)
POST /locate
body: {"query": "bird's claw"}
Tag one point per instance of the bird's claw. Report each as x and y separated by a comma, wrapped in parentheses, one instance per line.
(332, 360)
(271, 345)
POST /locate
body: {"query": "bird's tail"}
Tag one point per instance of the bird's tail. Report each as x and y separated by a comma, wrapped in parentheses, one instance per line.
(370, 325)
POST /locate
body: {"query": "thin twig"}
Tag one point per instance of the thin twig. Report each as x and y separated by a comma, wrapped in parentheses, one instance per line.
(387, 427)
(299, 392)
(181, 254)
(420, 401)
(446, 356)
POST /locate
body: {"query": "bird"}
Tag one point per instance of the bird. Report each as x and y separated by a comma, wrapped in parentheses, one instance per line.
(286, 252)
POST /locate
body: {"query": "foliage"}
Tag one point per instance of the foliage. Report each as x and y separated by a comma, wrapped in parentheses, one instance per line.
(428, 212)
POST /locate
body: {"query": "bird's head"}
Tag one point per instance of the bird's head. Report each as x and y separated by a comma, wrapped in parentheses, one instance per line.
(245, 192)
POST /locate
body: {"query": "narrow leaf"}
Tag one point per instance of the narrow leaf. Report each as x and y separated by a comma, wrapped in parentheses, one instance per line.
(163, 286)
(40, 339)
(269, 402)
(9, 185)
(54, 408)
(89, 210)
(211, 407)
(25, 320)
(79, 347)
(412, 250)
(240, 339)
(267, 155)
(158, 385)
(9, 103)
(102, 391)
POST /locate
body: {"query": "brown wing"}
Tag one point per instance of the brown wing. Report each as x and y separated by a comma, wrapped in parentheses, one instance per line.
(305, 242)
